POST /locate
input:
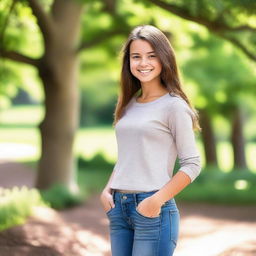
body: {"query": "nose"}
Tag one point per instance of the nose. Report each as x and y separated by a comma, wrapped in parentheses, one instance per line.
(143, 61)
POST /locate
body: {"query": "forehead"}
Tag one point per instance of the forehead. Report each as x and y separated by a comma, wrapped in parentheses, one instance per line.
(140, 46)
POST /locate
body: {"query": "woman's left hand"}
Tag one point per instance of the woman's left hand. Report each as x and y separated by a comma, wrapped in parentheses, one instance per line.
(149, 207)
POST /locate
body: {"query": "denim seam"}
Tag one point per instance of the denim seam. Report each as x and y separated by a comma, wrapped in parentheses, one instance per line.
(170, 219)
(159, 235)
(171, 227)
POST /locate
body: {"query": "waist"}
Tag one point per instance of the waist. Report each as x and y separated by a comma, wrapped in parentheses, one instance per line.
(127, 196)
(128, 191)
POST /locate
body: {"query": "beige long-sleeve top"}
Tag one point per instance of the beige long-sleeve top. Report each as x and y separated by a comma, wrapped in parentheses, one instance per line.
(150, 136)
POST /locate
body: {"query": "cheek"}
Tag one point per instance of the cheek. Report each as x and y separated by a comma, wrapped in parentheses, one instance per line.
(159, 66)
(132, 66)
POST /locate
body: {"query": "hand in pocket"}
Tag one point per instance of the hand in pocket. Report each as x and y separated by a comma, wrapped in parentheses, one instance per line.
(106, 199)
(149, 208)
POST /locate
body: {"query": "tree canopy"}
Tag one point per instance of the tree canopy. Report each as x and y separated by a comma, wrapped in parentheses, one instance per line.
(233, 20)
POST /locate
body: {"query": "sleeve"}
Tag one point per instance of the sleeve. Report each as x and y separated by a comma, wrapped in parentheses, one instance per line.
(181, 127)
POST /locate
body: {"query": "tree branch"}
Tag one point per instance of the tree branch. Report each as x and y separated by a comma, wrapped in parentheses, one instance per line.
(212, 25)
(100, 38)
(16, 56)
(215, 26)
(43, 19)
(180, 12)
(240, 46)
(110, 6)
(243, 27)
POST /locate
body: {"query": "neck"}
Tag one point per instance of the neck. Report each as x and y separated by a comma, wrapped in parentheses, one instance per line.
(148, 91)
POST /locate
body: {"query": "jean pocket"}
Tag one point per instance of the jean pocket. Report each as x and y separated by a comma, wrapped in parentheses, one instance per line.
(107, 212)
(140, 214)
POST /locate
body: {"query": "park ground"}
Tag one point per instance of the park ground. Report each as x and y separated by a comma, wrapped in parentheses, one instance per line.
(206, 229)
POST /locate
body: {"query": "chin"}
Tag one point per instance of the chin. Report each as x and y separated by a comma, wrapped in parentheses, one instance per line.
(149, 80)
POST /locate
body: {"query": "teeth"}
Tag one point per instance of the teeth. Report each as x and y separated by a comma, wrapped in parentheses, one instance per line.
(145, 71)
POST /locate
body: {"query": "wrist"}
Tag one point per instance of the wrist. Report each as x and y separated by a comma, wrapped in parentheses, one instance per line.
(158, 199)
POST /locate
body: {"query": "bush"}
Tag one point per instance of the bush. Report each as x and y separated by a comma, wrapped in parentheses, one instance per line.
(98, 161)
(17, 204)
(94, 173)
(60, 197)
(215, 186)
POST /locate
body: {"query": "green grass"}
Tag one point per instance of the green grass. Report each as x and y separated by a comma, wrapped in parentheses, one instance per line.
(215, 186)
(59, 197)
(22, 116)
(17, 204)
(90, 141)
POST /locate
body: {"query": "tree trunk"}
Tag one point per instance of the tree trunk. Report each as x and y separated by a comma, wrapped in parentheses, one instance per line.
(237, 139)
(58, 128)
(209, 141)
(58, 71)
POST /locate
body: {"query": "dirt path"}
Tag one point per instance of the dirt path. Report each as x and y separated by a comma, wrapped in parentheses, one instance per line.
(206, 230)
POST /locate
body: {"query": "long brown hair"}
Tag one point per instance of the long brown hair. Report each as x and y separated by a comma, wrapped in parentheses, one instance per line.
(130, 85)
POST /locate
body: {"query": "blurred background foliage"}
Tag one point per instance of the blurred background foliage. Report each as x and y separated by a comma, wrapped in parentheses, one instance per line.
(215, 46)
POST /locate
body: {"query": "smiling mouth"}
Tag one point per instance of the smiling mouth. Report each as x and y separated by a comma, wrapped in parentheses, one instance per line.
(145, 71)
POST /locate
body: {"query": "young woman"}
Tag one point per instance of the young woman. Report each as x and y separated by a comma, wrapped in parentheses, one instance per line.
(154, 124)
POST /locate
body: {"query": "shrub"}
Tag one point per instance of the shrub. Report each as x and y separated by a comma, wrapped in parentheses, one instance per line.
(98, 161)
(60, 197)
(215, 186)
(17, 204)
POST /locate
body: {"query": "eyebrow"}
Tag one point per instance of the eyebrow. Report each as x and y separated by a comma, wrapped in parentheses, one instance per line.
(133, 53)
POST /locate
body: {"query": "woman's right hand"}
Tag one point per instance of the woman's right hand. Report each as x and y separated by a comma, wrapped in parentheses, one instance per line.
(106, 199)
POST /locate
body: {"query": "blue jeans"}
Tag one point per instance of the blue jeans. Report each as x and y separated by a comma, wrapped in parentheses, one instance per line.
(133, 234)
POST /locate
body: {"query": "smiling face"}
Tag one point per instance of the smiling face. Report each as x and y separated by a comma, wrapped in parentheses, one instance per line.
(144, 64)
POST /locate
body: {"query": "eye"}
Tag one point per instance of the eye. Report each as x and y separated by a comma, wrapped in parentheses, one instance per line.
(152, 56)
(135, 57)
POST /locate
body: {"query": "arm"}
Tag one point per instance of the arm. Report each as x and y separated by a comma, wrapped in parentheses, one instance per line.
(178, 182)
(151, 206)
(181, 128)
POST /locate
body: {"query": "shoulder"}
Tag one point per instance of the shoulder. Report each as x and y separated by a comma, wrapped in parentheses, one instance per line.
(178, 108)
(177, 103)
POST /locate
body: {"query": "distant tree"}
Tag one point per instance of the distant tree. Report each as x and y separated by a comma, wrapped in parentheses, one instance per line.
(229, 19)
(225, 80)
(234, 21)
(65, 33)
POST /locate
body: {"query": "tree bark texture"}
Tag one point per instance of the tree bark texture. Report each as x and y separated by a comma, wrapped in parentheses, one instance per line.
(208, 137)
(237, 139)
(58, 70)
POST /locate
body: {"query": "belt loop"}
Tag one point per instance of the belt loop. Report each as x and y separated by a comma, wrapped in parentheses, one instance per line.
(135, 199)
